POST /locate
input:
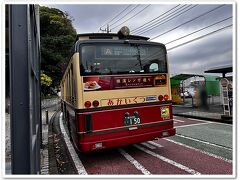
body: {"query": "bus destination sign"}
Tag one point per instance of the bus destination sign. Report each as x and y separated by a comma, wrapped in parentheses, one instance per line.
(123, 51)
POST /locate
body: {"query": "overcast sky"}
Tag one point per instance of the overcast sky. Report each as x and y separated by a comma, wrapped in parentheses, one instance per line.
(195, 57)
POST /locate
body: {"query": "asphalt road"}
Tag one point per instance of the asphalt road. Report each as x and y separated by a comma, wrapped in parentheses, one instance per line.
(199, 148)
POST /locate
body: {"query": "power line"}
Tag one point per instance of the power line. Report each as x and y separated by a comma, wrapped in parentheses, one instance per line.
(132, 16)
(198, 30)
(116, 16)
(149, 57)
(187, 22)
(167, 19)
(200, 37)
(124, 15)
(164, 17)
(140, 27)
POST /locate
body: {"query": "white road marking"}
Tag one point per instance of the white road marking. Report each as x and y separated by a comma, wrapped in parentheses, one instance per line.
(175, 116)
(178, 165)
(148, 145)
(193, 124)
(194, 119)
(155, 144)
(77, 162)
(134, 162)
(178, 120)
(208, 121)
(204, 152)
(205, 142)
(201, 120)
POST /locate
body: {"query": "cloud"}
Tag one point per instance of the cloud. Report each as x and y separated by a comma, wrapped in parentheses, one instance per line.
(195, 57)
(200, 56)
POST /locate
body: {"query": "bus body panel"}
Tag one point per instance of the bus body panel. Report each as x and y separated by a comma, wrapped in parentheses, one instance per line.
(123, 140)
(108, 119)
(108, 125)
(122, 94)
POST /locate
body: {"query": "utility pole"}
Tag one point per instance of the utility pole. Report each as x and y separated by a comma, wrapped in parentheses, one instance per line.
(105, 30)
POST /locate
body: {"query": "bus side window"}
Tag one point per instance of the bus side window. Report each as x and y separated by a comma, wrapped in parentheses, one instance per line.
(73, 92)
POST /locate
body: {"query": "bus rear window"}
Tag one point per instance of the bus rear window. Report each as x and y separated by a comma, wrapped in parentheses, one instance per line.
(104, 59)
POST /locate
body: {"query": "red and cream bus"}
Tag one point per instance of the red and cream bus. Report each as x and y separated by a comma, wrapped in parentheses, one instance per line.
(116, 91)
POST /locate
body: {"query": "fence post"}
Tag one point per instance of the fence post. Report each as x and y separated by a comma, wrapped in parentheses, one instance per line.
(46, 116)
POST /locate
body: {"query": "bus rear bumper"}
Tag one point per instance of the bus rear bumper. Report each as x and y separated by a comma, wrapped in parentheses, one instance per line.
(122, 141)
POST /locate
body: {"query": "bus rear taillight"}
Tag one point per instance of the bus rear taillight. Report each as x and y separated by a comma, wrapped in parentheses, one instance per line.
(87, 104)
(165, 97)
(95, 103)
(160, 97)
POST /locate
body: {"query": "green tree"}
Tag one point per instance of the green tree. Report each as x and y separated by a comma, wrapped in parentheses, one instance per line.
(46, 82)
(57, 39)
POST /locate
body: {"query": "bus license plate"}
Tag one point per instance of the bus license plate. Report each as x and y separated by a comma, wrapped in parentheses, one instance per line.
(132, 120)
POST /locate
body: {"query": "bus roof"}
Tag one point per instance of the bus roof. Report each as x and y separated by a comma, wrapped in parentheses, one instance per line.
(114, 36)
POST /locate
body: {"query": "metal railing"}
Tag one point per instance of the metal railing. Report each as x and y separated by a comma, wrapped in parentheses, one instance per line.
(25, 106)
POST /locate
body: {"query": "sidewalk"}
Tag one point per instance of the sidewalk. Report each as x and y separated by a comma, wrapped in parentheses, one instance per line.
(52, 106)
(45, 134)
(7, 145)
(214, 113)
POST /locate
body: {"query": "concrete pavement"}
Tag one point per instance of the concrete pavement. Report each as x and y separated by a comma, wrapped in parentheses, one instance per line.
(51, 106)
(213, 113)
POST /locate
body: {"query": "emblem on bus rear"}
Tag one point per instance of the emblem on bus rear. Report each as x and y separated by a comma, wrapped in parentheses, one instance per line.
(165, 114)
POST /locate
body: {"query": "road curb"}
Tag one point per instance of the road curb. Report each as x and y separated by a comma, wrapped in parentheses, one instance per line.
(50, 106)
(60, 161)
(204, 118)
(51, 154)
